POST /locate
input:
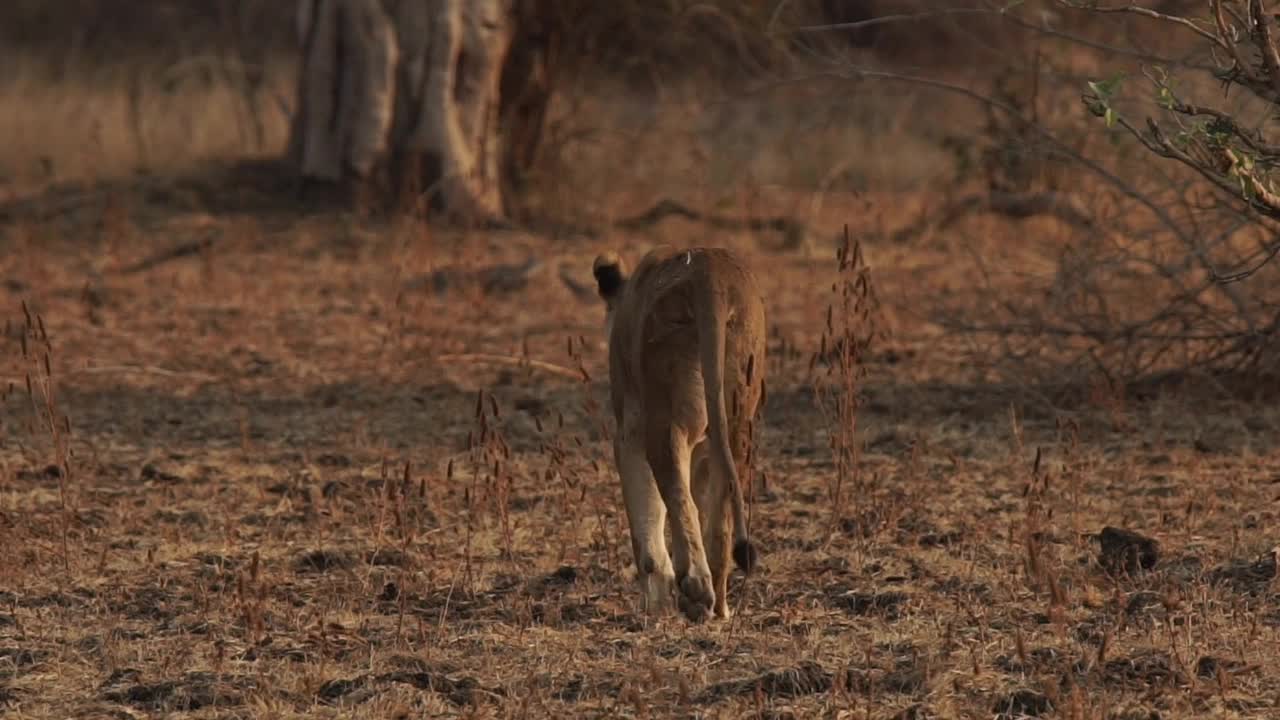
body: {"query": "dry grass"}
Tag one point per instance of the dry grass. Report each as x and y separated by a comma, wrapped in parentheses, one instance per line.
(283, 476)
(102, 122)
(279, 504)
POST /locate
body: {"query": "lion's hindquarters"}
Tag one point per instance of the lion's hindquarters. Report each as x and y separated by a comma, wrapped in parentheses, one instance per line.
(686, 365)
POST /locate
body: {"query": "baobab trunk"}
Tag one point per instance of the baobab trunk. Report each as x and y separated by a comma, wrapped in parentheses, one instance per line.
(345, 88)
(412, 84)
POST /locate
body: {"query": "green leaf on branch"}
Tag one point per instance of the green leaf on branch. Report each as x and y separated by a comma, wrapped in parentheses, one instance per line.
(1106, 89)
(1099, 103)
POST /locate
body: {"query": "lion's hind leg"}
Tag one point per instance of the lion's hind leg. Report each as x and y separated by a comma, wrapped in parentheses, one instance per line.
(646, 516)
(669, 457)
(711, 494)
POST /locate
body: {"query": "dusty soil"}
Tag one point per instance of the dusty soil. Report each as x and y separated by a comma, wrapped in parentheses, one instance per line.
(309, 473)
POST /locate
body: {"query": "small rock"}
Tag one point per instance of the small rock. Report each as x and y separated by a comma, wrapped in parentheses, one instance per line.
(1207, 667)
(390, 592)
(564, 575)
(1125, 551)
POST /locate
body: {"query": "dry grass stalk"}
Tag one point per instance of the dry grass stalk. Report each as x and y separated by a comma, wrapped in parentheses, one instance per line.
(848, 333)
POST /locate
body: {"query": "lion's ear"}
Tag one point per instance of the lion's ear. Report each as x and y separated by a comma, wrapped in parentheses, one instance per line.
(610, 274)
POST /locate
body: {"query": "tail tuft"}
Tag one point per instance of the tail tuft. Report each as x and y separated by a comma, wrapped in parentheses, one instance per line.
(745, 555)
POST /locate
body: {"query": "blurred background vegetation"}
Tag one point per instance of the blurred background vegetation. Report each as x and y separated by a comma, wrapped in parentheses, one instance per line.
(968, 124)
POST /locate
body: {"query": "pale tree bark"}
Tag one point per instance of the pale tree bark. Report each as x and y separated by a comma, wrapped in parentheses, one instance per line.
(345, 88)
(458, 108)
(418, 85)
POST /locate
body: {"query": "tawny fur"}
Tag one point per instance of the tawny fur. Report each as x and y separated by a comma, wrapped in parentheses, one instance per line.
(686, 374)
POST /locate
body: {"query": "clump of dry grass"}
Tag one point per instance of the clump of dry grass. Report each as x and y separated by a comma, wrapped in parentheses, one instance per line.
(48, 420)
(848, 332)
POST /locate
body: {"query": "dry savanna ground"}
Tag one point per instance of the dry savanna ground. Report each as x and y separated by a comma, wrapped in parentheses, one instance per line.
(328, 465)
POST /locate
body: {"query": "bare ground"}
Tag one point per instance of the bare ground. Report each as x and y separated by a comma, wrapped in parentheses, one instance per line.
(302, 485)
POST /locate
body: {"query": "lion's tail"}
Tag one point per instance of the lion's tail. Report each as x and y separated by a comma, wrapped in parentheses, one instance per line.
(711, 316)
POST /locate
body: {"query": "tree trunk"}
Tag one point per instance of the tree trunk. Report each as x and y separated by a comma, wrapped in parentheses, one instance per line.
(526, 85)
(345, 88)
(449, 95)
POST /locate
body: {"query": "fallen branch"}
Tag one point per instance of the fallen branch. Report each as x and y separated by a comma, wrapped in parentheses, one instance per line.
(790, 228)
(126, 370)
(793, 231)
(516, 361)
(187, 249)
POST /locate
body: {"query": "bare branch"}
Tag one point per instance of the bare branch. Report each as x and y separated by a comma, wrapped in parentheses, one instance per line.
(1227, 40)
(1074, 39)
(520, 362)
(1255, 193)
(1252, 139)
(1262, 38)
(1154, 15)
(904, 17)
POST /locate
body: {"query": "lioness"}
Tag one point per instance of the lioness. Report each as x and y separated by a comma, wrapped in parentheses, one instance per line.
(686, 374)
